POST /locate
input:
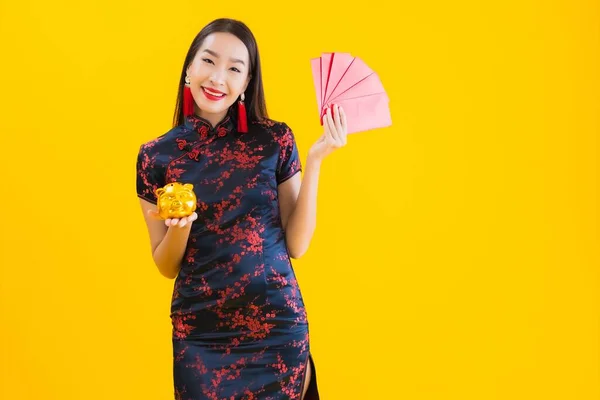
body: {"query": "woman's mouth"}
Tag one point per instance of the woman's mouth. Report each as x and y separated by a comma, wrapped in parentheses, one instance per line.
(212, 95)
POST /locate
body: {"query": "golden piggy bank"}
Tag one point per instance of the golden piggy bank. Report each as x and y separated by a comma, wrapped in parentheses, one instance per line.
(176, 200)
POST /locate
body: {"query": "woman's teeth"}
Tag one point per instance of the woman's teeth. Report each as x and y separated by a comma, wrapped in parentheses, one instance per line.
(213, 93)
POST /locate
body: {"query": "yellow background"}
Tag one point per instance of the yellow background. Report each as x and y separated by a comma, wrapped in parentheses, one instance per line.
(456, 253)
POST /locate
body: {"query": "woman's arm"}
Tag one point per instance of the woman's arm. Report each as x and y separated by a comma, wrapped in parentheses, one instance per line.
(168, 243)
(298, 196)
(298, 205)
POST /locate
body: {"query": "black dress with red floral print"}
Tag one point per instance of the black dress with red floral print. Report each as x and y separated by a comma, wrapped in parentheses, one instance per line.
(240, 329)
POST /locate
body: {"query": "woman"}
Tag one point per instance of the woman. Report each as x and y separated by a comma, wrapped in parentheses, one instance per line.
(239, 323)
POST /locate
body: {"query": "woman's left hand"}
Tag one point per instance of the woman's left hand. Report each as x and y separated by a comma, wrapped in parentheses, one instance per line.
(334, 135)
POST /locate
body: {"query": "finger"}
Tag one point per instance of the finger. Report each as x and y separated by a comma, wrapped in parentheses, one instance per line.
(334, 131)
(344, 124)
(325, 125)
(187, 220)
(336, 116)
(338, 125)
(168, 222)
(330, 127)
(174, 221)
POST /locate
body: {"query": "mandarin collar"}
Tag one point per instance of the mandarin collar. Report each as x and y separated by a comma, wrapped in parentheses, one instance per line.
(205, 129)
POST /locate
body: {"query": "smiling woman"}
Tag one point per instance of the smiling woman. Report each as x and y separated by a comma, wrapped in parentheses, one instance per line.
(240, 328)
(222, 59)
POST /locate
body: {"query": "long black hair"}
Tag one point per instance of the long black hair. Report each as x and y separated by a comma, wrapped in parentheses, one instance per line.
(254, 94)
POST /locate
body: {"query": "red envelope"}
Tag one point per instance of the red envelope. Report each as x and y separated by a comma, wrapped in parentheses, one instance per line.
(342, 79)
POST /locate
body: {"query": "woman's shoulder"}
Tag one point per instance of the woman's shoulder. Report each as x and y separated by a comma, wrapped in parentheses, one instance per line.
(163, 142)
(276, 128)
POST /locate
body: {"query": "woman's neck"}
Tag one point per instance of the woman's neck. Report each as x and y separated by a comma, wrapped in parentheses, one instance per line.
(213, 118)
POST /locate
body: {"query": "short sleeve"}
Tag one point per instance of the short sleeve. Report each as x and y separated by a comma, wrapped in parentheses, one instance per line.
(289, 159)
(148, 175)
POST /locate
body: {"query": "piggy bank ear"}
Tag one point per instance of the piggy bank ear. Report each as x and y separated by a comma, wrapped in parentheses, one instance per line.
(159, 192)
(188, 186)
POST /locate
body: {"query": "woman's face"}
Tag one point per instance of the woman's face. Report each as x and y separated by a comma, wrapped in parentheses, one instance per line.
(219, 74)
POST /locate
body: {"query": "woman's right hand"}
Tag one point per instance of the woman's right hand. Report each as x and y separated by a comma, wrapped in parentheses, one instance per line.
(178, 222)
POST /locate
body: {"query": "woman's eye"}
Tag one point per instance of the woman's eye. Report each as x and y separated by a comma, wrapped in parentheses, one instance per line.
(209, 61)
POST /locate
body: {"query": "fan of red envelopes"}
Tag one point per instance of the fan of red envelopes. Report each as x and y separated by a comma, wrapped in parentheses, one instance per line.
(347, 81)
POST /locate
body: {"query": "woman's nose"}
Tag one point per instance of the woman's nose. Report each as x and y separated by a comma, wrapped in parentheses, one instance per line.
(217, 77)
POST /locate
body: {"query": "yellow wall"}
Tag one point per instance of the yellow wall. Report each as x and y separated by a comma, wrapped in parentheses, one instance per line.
(456, 253)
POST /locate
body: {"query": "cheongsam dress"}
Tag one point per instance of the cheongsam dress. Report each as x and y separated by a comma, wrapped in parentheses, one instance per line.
(239, 324)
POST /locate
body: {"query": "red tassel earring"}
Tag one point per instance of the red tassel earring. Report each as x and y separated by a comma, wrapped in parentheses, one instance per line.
(188, 99)
(242, 117)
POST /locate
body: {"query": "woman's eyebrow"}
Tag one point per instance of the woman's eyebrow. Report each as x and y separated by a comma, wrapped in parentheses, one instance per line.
(235, 60)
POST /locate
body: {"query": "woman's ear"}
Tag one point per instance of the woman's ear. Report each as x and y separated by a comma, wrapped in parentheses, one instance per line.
(247, 82)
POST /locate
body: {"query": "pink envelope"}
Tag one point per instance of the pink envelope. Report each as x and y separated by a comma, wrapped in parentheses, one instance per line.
(342, 79)
(366, 113)
(357, 71)
(339, 65)
(371, 84)
(326, 60)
